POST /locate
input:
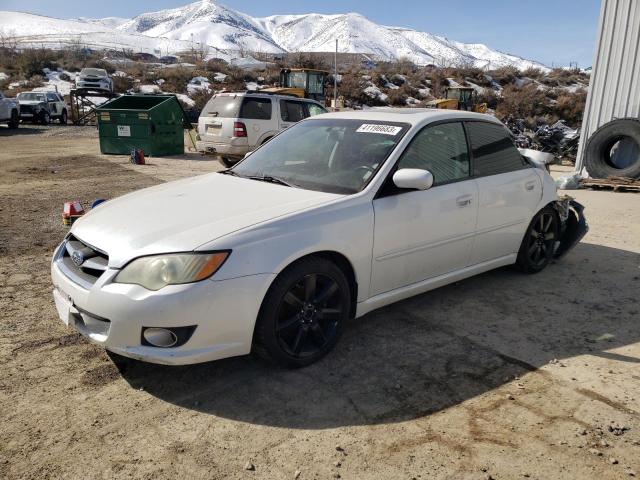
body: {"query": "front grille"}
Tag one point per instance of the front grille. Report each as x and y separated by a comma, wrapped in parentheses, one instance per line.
(82, 260)
(26, 109)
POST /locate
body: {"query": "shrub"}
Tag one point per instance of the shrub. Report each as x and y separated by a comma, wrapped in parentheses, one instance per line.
(522, 102)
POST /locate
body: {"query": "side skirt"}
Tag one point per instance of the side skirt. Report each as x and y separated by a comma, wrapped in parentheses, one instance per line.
(401, 293)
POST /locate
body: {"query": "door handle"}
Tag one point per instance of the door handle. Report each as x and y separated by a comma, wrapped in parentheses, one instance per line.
(464, 200)
(530, 185)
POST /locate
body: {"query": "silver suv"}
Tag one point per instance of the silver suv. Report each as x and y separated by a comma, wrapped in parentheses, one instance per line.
(233, 124)
(94, 79)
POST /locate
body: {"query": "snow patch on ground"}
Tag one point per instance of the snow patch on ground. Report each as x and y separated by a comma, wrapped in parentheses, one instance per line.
(374, 92)
(3, 76)
(185, 99)
(197, 84)
(149, 89)
(53, 82)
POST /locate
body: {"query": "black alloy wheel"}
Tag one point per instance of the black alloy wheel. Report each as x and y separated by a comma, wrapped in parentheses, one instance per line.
(308, 316)
(303, 314)
(538, 246)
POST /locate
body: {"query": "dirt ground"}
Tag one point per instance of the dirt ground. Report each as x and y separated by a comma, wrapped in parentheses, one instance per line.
(501, 376)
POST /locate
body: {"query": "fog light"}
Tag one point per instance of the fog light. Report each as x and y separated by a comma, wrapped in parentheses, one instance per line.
(160, 337)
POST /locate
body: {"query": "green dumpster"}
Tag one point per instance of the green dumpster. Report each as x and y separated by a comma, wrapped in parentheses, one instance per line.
(153, 123)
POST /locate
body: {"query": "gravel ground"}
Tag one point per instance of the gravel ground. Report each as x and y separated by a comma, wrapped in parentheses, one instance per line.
(501, 376)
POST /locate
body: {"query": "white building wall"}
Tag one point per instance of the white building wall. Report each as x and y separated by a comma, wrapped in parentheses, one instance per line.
(615, 80)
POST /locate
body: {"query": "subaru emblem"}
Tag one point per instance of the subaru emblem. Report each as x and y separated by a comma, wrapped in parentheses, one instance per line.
(77, 257)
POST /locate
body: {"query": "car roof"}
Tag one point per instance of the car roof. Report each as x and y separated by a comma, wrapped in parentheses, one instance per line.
(413, 116)
(264, 95)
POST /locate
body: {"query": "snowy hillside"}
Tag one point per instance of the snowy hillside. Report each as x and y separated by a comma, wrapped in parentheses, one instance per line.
(207, 23)
(204, 22)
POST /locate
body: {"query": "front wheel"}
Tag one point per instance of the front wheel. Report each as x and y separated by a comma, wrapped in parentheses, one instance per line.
(63, 117)
(303, 313)
(45, 118)
(226, 162)
(537, 248)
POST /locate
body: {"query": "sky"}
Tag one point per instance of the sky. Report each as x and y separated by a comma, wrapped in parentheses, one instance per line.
(554, 32)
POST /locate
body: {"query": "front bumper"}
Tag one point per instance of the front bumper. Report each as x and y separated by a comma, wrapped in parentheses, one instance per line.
(93, 85)
(112, 315)
(573, 225)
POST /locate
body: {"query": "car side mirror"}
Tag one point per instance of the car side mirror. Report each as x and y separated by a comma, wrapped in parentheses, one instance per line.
(413, 179)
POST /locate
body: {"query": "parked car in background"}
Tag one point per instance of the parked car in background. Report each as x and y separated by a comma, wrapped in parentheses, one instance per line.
(43, 107)
(233, 124)
(9, 111)
(94, 79)
(336, 216)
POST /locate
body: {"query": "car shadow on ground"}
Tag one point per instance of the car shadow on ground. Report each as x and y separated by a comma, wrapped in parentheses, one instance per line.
(426, 353)
(22, 130)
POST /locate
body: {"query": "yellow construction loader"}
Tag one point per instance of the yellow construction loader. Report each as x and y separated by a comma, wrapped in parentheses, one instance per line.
(302, 82)
(459, 98)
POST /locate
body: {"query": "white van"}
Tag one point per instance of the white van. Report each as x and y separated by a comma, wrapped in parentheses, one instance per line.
(233, 124)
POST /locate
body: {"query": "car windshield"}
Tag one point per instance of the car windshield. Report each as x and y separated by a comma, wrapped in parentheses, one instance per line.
(328, 155)
(94, 71)
(31, 96)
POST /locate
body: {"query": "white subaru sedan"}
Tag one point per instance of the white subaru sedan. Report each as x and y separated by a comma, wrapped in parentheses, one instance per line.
(336, 216)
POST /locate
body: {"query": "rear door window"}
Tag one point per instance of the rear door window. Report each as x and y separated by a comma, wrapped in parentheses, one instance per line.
(256, 109)
(292, 111)
(493, 149)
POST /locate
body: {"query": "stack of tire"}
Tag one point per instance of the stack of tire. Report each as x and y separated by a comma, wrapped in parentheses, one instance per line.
(614, 150)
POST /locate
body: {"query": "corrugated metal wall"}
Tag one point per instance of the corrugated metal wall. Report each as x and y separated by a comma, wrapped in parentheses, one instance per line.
(615, 80)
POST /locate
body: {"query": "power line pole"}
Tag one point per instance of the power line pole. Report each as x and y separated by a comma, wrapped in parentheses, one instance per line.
(335, 77)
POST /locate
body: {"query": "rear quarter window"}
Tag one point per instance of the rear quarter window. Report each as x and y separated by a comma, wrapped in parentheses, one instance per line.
(222, 106)
(256, 109)
(493, 149)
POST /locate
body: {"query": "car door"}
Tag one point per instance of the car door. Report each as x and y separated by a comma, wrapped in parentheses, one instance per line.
(291, 111)
(509, 190)
(423, 234)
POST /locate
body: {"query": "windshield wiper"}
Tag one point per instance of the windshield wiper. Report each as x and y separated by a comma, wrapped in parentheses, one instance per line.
(270, 179)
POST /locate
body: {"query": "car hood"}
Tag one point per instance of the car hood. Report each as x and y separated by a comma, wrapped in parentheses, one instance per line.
(31, 102)
(183, 215)
(92, 77)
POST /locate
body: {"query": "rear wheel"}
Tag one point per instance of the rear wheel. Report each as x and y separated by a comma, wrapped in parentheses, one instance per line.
(536, 250)
(303, 313)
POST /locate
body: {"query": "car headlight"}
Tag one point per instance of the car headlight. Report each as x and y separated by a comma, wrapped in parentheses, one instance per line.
(157, 271)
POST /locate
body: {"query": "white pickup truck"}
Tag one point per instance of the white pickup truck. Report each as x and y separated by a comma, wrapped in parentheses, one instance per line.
(9, 111)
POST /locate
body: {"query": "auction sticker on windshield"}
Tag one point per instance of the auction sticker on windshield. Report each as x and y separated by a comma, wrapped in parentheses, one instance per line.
(377, 128)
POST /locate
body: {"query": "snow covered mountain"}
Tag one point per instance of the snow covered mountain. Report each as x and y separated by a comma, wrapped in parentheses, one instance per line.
(208, 23)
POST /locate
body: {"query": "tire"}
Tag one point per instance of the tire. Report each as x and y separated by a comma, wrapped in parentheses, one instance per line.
(45, 118)
(537, 247)
(598, 153)
(226, 162)
(63, 117)
(14, 121)
(303, 314)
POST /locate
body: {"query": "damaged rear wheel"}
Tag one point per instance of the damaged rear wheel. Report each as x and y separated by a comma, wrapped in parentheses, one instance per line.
(537, 248)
